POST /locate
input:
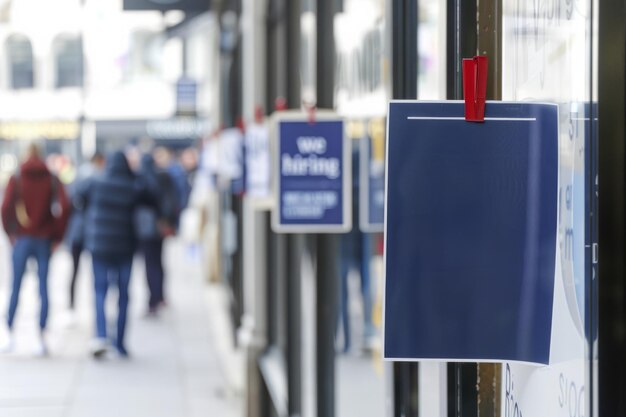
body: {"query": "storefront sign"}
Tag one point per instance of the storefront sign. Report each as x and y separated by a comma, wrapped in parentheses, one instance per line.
(312, 174)
(184, 5)
(471, 232)
(177, 128)
(186, 96)
(50, 130)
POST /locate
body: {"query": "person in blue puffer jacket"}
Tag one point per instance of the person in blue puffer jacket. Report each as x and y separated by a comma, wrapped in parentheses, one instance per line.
(109, 201)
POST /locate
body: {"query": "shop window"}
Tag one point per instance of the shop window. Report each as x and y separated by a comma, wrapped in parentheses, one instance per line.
(146, 52)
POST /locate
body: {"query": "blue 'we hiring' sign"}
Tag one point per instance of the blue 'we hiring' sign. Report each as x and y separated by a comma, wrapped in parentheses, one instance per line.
(471, 232)
(312, 174)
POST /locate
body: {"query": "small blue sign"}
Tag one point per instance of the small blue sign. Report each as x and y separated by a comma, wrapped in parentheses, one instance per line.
(186, 96)
(471, 232)
(372, 179)
(312, 188)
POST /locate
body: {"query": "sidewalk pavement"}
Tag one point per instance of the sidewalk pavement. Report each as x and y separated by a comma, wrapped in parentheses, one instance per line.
(174, 370)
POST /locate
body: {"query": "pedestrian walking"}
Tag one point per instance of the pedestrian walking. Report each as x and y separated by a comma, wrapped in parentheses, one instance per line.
(356, 253)
(110, 200)
(34, 215)
(167, 161)
(74, 237)
(154, 223)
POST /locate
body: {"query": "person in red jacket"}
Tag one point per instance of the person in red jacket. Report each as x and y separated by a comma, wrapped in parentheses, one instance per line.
(35, 210)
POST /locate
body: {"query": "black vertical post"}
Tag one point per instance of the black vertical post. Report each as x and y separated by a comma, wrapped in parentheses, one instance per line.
(327, 244)
(404, 83)
(612, 208)
(230, 54)
(462, 43)
(271, 23)
(293, 10)
(276, 52)
(295, 246)
(237, 200)
(404, 49)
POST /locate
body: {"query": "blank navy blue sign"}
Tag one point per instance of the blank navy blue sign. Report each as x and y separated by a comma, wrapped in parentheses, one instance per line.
(471, 232)
(311, 183)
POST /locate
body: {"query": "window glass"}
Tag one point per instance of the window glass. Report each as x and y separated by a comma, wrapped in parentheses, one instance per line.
(68, 56)
(431, 40)
(20, 54)
(145, 55)
(547, 58)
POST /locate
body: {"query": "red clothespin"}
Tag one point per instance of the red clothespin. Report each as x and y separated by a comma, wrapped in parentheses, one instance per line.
(475, 88)
(259, 115)
(310, 108)
(240, 124)
(280, 104)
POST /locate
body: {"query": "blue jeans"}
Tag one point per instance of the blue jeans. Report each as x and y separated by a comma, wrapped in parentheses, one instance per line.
(355, 253)
(25, 248)
(105, 272)
(153, 254)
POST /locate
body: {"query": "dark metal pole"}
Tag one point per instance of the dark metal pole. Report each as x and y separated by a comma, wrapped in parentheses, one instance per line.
(271, 24)
(276, 51)
(327, 301)
(404, 86)
(612, 208)
(295, 245)
(293, 16)
(462, 43)
(325, 64)
(404, 49)
(295, 248)
(327, 244)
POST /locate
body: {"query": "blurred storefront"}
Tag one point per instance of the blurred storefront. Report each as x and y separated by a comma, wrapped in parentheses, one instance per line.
(174, 133)
(56, 137)
(76, 86)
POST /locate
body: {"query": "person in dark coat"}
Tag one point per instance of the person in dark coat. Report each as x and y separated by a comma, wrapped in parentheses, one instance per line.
(34, 214)
(74, 236)
(153, 223)
(110, 200)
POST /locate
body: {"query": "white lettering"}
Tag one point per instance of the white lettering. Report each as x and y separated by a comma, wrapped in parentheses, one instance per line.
(308, 205)
(311, 144)
(571, 397)
(298, 165)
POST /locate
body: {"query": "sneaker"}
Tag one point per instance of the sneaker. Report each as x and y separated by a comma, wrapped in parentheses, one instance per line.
(99, 348)
(122, 353)
(68, 319)
(120, 350)
(7, 345)
(41, 350)
(152, 313)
